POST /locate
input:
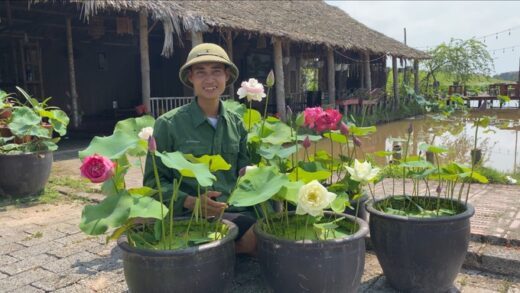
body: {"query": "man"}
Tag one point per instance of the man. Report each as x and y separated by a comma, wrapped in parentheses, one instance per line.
(202, 127)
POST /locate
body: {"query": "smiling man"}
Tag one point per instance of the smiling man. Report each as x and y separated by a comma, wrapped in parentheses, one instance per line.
(206, 127)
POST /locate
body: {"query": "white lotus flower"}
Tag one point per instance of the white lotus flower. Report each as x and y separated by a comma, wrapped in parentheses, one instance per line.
(313, 198)
(252, 90)
(145, 133)
(362, 172)
(510, 180)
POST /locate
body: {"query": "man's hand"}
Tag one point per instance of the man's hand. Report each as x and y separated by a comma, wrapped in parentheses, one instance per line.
(209, 206)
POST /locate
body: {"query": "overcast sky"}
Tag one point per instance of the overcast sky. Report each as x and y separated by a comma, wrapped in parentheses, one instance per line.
(429, 23)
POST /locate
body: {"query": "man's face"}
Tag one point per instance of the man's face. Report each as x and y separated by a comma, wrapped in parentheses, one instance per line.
(209, 79)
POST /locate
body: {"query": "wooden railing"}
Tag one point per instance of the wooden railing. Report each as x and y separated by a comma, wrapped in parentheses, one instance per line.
(161, 105)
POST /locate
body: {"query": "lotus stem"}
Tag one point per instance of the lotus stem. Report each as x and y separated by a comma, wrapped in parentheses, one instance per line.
(265, 112)
(158, 182)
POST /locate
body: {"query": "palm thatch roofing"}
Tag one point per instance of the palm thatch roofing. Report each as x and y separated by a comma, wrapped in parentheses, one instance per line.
(312, 22)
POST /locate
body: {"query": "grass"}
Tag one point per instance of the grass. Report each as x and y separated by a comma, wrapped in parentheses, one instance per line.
(51, 194)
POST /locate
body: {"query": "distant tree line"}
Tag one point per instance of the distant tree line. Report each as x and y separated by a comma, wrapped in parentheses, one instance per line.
(512, 76)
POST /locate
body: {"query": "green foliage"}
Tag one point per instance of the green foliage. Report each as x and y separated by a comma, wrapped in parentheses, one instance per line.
(460, 59)
(31, 124)
(258, 186)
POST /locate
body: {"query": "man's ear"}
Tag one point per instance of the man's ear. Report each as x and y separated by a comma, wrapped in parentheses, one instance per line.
(190, 75)
(228, 73)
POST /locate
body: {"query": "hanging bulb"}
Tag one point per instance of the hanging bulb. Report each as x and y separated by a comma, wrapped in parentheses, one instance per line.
(497, 36)
(509, 32)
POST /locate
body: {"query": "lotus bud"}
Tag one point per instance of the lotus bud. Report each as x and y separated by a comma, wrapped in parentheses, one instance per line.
(269, 82)
(152, 145)
(306, 142)
(357, 141)
(344, 128)
(242, 171)
(439, 189)
(410, 128)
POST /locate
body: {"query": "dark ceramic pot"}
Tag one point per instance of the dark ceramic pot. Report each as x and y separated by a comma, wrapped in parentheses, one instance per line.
(420, 254)
(313, 266)
(24, 174)
(204, 268)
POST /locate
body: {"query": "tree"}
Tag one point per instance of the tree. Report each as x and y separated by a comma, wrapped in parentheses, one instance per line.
(459, 59)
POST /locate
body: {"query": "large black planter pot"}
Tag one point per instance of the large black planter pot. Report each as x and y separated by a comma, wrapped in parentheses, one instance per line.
(313, 266)
(204, 268)
(420, 254)
(24, 174)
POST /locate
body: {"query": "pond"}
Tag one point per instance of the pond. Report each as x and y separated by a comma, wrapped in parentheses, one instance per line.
(499, 145)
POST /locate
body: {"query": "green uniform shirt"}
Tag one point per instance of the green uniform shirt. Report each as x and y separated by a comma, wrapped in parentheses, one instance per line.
(186, 129)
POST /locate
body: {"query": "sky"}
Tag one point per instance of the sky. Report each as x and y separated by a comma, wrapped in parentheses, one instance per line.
(429, 23)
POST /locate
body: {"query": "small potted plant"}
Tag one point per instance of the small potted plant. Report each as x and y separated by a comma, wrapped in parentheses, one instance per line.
(305, 241)
(161, 252)
(29, 132)
(421, 236)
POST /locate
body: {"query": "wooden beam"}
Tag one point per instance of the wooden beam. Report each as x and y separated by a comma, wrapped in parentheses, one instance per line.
(368, 74)
(279, 77)
(229, 46)
(416, 76)
(196, 38)
(331, 77)
(72, 76)
(145, 59)
(395, 82)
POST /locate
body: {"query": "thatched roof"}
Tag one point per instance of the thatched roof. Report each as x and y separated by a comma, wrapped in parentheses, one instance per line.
(313, 22)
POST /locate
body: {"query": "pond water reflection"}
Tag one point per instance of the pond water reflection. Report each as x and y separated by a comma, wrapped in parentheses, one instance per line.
(499, 146)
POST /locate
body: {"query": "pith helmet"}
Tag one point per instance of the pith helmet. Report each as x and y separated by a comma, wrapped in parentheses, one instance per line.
(207, 52)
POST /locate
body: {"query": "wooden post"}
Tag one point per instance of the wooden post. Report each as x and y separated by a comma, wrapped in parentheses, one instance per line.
(331, 77)
(196, 38)
(72, 76)
(416, 76)
(395, 82)
(229, 45)
(368, 74)
(145, 59)
(279, 77)
(12, 41)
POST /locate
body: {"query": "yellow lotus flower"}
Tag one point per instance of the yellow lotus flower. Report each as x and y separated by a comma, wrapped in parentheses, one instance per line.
(313, 198)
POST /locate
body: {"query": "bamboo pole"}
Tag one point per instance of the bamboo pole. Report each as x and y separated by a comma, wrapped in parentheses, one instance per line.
(331, 77)
(145, 59)
(72, 76)
(395, 82)
(416, 76)
(229, 45)
(368, 74)
(279, 77)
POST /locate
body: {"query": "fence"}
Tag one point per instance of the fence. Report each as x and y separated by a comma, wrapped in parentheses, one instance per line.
(161, 105)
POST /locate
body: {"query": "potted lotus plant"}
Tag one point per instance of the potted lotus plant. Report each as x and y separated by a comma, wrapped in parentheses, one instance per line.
(29, 132)
(421, 234)
(305, 242)
(161, 252)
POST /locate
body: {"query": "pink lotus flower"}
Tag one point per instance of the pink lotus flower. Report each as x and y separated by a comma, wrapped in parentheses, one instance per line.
(311, 115)
(97, 168)
(252, 90)
(328, 120)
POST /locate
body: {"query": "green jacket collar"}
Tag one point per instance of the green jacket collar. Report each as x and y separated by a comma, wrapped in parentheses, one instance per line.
(198, 117)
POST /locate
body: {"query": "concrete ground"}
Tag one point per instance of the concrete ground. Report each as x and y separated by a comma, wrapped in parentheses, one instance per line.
(43, 250)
